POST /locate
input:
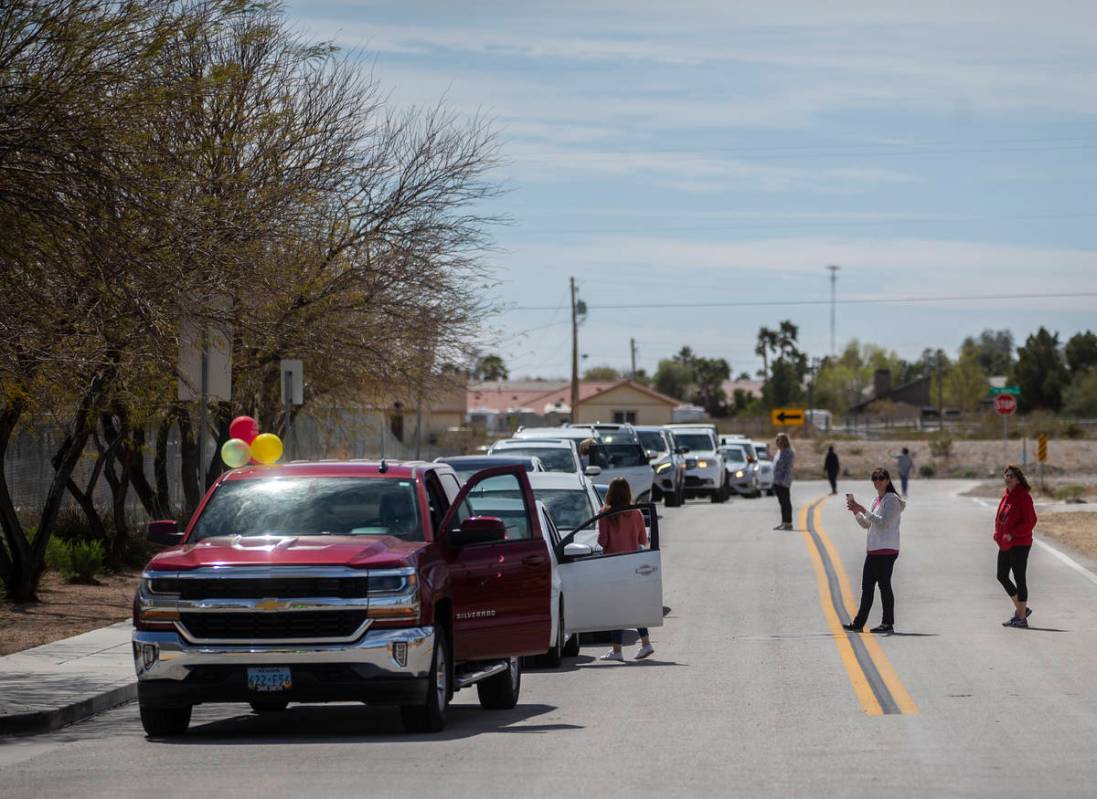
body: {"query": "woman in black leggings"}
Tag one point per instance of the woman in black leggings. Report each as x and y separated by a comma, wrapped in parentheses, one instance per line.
(1013, 527)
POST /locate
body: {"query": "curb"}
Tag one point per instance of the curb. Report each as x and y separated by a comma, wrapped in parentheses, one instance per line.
(41, 721)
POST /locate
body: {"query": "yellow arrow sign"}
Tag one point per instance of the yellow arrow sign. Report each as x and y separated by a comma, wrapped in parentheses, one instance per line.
(787, 417)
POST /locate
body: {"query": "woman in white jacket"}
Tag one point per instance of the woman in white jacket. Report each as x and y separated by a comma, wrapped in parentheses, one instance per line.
(882, 523)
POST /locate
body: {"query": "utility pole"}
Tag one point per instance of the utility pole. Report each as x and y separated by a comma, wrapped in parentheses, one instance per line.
(833, 296)
(940, 396)
(632, 350)
(574, 355)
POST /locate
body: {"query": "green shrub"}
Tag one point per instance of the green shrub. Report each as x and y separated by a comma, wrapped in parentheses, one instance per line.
(1074, 431)
(856, 450)
(927, 470)
(1069, 492)
(941, 447)
(57, 556)
(85, 561)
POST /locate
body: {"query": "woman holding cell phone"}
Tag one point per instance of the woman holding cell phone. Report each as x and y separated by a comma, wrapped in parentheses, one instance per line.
(882, 545)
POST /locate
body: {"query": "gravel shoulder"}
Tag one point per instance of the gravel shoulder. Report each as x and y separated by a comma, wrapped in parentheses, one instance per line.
(1076, 530)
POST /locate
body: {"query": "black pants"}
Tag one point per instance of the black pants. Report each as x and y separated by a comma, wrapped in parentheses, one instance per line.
(877, 571)
(833, 482)
(1016, 559)
(783, 497)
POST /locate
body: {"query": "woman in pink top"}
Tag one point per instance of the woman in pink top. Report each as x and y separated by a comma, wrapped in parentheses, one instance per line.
(623, 532)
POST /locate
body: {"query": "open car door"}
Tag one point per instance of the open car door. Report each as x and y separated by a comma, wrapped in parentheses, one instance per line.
(611, 592)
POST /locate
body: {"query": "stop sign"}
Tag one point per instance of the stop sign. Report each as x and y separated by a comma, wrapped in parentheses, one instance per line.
(1005, 404)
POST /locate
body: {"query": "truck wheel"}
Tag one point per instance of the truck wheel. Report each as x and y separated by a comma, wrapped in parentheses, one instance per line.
(431, 717)
(571, 648)
(165, 722)
(555, 656)
(672, 499)
(500, 692)
(269, 707)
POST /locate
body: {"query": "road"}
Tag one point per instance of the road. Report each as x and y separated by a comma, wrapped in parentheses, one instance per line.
(750, 691)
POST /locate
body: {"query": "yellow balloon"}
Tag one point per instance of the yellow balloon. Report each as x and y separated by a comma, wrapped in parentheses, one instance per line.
(235, 452)
(266, 448)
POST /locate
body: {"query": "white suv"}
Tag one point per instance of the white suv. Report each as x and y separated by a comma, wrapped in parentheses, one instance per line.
(705, 472)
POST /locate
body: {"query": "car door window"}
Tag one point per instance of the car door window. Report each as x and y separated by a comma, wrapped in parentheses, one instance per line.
(587, 532)
(502, 497)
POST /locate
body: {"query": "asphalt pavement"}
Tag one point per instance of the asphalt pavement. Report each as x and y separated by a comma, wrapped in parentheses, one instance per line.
(750, 692)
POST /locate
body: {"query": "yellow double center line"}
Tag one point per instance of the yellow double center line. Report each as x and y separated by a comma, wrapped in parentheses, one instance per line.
(875, 683)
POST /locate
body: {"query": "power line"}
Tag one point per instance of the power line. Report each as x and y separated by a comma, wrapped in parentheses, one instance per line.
(863, 301)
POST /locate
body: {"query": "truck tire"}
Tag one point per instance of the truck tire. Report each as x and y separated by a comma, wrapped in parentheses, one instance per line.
(571, 648)
(555, 656)
(431, 717)
(500, 691)
(272, 706)
(165, 722)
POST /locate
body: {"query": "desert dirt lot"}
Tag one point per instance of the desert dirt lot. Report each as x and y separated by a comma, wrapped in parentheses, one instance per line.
(65, 610)
(1077, 530)
(970, 459)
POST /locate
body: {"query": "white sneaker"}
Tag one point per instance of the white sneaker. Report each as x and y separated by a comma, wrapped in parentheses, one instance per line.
(611, 655)
(644, 651)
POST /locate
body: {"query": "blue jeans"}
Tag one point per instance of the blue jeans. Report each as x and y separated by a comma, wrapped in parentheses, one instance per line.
(618, 636)
(903, 480)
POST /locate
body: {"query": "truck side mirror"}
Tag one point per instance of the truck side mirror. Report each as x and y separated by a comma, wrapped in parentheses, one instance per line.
(576, 550)
(478, 530)
(163, 531)
(681, 450)
(592, 471)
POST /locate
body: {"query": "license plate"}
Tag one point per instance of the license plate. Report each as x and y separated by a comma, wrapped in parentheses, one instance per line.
(267, 680)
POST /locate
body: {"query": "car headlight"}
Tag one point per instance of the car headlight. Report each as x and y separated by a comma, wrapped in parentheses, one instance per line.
(739, 473)
(702, 464)
(662, 467)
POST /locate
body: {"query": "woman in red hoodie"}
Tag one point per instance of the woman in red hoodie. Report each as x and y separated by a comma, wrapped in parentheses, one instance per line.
(1013, 527)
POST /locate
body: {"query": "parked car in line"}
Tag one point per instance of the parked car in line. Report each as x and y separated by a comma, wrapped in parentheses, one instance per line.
(705, 474)
(742, 478)
(765, 467)
(347, 581)
(468, 465)
(554, 454)
(615, 451)
(668, 463)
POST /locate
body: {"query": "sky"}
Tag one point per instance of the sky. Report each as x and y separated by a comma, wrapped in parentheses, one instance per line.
(695, 166)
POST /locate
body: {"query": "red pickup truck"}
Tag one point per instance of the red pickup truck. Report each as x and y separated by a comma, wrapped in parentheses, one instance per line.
(386, 583)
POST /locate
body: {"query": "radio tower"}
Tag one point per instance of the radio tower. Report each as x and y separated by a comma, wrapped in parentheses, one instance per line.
(833, 294)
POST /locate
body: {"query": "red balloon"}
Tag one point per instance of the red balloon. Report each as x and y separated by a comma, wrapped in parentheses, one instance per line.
(244, 428)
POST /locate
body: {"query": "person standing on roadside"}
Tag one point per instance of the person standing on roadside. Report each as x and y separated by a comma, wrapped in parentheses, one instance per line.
(623, 532)
(904, 462)
(782, 479)
(882, 545)
(1013, 526)
(831, 467)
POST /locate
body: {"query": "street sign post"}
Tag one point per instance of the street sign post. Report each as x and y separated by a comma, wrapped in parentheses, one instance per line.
(787, 417)
(1041, 455)
(293, 391)
(1005, 404)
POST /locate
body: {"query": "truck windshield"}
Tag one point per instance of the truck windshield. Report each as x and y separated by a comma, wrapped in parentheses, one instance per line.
(312, 506)
(653, 441)
(619, 456)
(695, 442)
(556, 459)
(568, 507)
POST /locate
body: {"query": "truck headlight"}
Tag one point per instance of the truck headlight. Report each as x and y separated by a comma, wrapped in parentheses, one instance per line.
(702, 464)
(739, 473)
(393, 594)
(662, 467)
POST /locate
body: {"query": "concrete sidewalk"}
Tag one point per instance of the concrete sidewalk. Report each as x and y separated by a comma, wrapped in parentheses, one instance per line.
(47, 687)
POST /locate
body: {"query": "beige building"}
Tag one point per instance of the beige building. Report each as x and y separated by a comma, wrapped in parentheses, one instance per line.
(627, 402)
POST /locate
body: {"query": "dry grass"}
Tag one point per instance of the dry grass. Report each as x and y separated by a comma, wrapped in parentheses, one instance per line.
(1078, 530)
(65, 610)
(968, 459)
